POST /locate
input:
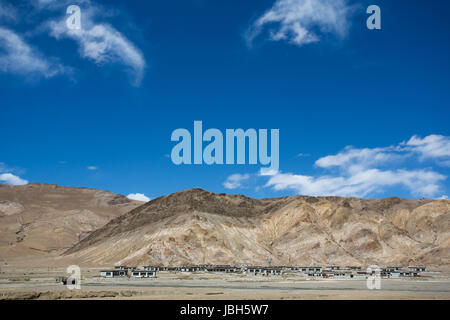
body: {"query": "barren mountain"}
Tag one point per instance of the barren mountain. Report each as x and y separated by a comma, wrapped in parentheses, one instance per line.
(199, 227)
(39, 220)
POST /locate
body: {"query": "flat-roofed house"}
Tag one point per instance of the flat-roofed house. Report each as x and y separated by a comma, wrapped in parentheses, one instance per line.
(265, 271)
(354, 268)
(222, 268)
(314, 275)
(332, 268)
(275, 271)
(113, 273)
(390, 274)
(343, 274)
(392, 269)
(170, 269)
(143, 274)
(360, 275)
(408, 274)
(190, 269)
(309, 269)
(232, 269)
(124, 268)
(417, 269)
(256, 271)
(150, 268)
(214, 268)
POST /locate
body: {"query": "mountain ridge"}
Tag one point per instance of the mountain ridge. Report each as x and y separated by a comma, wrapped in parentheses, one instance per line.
(44, 219)
(195, 226)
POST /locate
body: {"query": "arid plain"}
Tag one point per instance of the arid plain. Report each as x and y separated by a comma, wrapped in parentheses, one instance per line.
(39, 283)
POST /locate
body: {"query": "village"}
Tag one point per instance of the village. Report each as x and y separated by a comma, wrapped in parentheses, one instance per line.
(328, 272)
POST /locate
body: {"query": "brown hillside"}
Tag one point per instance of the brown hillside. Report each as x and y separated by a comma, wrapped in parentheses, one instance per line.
(197, 226)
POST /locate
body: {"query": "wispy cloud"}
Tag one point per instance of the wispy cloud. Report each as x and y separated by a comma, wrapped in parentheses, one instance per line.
(57, 4)
(368, 171)
(92, 168)
(302, 155)
(354, 160)
(433, 146)
(138, 197)
(7, 12)
(102, 43)
(18, 57)
(99, 42)
(360, 184)
(301, 22)
(235, 181)
(363, 172)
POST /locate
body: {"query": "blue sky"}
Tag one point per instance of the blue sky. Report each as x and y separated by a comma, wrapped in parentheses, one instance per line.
(361, 112)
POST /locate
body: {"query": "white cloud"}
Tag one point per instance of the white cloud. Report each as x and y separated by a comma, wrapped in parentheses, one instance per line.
(443, 197)
(138, 197)
(102, 43)
(360, 184)
(11, 179)
(99, 42)
(432, 146)
(235, 181)
(365, 172)
(369, 171)
(92, 168)
(18, 57)
(361, 157)
(303, 21)
(8, 178)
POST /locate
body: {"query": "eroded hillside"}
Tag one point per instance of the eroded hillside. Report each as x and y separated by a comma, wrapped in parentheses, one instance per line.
(197, 227)
(38, 220)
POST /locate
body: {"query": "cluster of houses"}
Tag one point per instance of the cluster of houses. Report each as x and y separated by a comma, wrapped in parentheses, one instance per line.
(122, 271)
(347, 272)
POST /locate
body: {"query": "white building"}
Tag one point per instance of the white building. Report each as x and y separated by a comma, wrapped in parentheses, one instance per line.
(417, 269)
(143, 274)
(309, 269)
(113, 273)
(150, 268)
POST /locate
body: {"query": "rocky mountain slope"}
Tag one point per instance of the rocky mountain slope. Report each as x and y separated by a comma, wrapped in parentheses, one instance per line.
(38, 220)
(198, 227)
